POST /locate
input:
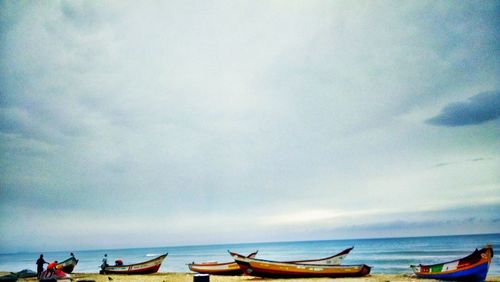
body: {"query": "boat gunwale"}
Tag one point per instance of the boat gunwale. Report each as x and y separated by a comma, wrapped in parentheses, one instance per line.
(210, 264)
(68, 260)
(344, 252)
(251, 255)
(237, 257)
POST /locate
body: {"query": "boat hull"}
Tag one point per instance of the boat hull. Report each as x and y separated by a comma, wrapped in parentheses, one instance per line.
(147, 267)
(214, 268)
(68, 265)
(476, 273)
(231, 268)
(275, 269)
(471, 268)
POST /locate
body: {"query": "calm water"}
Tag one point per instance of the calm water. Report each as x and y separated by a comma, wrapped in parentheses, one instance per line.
(392, 255)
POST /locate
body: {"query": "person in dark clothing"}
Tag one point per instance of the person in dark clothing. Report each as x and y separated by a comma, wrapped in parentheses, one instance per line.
(104, 262)
(39, 263)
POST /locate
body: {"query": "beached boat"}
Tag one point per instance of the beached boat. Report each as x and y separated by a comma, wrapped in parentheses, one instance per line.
(232, 268)
(68, 265)
(473, 267)
(331, 260)
(147, 267)
(215, 268)
(277, 269)
(14, 276)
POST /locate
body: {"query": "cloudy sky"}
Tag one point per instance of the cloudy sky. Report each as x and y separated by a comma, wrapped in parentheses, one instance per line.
(135, 124)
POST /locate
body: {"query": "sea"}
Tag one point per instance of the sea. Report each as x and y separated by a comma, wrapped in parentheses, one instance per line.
(385, 255)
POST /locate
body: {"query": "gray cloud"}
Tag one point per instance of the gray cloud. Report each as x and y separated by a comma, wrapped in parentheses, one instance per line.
(230, 108)
(475, 218)
(476, 110)
(479, 159)
(442, 164)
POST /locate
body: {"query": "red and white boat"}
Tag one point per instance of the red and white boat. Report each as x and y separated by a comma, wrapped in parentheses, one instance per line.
(147, 267)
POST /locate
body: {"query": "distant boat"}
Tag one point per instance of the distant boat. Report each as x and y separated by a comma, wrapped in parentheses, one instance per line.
(473, 267)
(277, 269)
(147, 267)
(68, 265)
(214, 268)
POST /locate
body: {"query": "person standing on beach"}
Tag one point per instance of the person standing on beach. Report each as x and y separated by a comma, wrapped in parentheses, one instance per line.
(39, 265)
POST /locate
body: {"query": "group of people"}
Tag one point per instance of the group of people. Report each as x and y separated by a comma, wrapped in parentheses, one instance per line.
(105, 264)
(51, 266)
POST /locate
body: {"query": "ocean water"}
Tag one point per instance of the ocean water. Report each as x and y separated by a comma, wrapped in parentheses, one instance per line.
(389, 255)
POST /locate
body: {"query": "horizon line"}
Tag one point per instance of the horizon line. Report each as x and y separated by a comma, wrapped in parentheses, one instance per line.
(248, 243)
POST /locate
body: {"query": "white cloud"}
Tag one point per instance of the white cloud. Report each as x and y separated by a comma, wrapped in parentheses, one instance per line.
(253, 110)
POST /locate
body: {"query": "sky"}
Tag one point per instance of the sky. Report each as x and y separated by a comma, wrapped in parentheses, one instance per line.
(160, 123)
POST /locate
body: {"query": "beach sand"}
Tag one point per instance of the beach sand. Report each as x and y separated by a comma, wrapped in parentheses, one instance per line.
(188, 277)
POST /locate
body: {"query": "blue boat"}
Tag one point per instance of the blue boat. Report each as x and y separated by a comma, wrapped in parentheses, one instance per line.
(473, 267)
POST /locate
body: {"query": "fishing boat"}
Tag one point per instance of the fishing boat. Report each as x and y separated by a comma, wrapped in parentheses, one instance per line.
(473, 267)
(215, 268)
(277, 269)
(147, 267)
(331, 260)
(232, 268)
(68, 265)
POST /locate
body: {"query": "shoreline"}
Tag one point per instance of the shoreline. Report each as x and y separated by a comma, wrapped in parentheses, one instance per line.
(188, 277)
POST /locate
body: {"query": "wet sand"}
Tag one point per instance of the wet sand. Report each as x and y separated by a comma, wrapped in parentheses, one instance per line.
(188, 277)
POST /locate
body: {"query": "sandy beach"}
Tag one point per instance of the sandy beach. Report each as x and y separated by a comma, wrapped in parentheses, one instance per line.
(188, 277)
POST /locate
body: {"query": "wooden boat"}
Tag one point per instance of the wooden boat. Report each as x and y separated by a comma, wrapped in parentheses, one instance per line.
(147, 267)
(276, 269)
(332, 260)
(68, 265)
(214, 268)
(232, 268)
(473, 267)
